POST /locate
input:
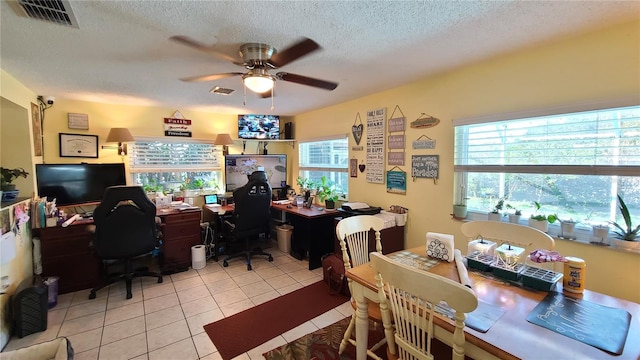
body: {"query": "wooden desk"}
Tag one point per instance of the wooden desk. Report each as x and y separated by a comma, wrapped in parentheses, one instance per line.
(313, 232)
(511, 337)
(68, 252)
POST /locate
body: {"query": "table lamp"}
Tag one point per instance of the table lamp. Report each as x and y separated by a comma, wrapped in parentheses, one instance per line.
(121, 136)
(224, 140)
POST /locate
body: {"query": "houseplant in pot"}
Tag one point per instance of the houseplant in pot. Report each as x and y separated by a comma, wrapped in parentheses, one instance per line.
(495, 214)
(515, 217)
(460, 208)
(626, 237)
(7, 186)
(326, 192)
(541, 221)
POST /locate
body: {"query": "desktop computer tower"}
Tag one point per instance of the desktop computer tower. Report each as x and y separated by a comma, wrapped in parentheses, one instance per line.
(30, 306)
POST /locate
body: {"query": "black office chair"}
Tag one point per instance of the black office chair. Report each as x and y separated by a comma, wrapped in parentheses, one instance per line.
(125, 224)
(251, 217)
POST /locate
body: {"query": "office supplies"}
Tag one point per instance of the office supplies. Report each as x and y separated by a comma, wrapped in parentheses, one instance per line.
(71, 220)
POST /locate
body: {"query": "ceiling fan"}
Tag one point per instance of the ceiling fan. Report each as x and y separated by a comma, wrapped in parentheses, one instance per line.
(258, 59)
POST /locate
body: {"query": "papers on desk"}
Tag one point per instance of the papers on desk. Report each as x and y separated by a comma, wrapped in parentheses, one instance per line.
(182, 206)
(282, 202)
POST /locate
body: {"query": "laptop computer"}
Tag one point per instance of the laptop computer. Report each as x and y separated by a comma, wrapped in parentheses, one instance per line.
(210, 199)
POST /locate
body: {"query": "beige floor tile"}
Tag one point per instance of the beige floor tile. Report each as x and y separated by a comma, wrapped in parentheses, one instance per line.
(161, 302)
(88, 308)
(123, 313)
(211, 267)
(281, 281)
(255, 289)
(188, 283)
(214, 356)
(183, 350)
(82, 296)
(212, 277)
(290, 288)
(87, 340)
(141, 357)
(199, 306)
(184, 275)
(269, 272)
(82, 324)
(263, 298)
(194, 293)
(301, 275)
(229, 297)
(256, 353)
(222, 286)
(123, 329)
(246, 279)
(299, 331)
(198, 321)
(87, 355)
(164, 317)
(158, 290)
(292, 267)
(311, 280)
(327, 318)
(56, 316)
(236, 307)
(204, 345)
(121, 300)
(167, 334)
(124, 349)
(64, 301)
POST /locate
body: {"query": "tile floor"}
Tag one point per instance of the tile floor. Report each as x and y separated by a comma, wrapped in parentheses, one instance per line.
(165, 321)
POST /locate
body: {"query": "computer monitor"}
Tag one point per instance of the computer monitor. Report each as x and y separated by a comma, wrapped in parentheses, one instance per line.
(239, 167)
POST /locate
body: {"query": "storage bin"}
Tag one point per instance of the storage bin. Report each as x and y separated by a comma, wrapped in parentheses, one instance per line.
(540, 279)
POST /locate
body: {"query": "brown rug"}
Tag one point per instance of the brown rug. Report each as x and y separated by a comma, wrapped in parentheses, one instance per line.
(241, 332)
(323, 344)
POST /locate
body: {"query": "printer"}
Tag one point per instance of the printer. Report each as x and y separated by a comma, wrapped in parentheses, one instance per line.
(358, 208)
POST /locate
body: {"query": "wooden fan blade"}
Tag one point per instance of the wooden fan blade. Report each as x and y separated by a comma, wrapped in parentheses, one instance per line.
(210, 77)
(202, 47)
(294, 52)
(305, 80)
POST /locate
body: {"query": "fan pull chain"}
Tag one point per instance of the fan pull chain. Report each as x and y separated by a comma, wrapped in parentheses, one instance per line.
(244, 97)
(273, 90)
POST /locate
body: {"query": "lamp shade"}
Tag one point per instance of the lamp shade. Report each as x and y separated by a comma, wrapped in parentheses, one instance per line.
(223, 139)
(119, 135)
(258, 83)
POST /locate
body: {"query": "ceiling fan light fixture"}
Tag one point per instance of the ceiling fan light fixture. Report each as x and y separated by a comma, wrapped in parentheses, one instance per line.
(258, 82)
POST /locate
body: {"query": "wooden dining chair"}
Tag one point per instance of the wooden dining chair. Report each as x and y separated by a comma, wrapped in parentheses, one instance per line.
(353, 234)
(413, 295)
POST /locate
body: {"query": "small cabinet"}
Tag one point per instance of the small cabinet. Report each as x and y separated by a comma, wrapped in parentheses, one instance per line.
(180, 232)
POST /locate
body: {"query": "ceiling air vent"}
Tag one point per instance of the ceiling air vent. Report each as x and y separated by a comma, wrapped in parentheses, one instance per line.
(55, 11)
(221, 91)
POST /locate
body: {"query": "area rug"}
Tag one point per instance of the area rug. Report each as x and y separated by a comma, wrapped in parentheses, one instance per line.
(241, 332)
(323, 344)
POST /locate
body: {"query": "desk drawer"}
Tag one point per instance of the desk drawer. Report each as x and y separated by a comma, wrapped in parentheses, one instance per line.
(191, 229)
(191, 216)
(179, 252)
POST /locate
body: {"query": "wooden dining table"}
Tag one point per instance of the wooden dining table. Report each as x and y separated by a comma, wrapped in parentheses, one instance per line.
(511, 336)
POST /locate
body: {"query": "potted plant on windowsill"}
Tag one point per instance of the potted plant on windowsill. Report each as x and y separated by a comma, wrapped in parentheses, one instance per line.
(7, 186)
(460, 208)
(495, 214)
(515, 217)
(326, 192)
(626, 237)
(541, 221)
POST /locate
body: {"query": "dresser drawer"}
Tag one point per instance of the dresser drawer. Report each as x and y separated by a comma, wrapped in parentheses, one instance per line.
(171, 231)
(179, 252)
(190, 216)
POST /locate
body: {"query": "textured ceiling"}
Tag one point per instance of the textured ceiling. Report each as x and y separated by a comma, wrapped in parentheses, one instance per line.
(121, 52)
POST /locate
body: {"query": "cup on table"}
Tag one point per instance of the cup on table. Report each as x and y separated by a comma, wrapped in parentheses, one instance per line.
(299, 201)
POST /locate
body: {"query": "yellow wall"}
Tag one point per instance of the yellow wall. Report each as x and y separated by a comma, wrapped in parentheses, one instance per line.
(594, 67)
(597, 66)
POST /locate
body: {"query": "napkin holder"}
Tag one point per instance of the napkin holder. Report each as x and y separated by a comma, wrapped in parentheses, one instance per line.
(440, 246)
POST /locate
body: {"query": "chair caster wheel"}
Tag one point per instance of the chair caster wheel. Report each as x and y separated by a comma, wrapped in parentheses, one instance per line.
(129, 295)
(160, 280)
(270, 258)
(92, 295)
(225, 263)
(248, 267)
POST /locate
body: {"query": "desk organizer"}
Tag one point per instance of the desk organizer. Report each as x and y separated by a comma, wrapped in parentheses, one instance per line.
(540, 279)
(479, 260)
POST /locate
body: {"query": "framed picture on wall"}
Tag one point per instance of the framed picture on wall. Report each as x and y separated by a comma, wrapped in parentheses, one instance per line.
(353, 167)
(76, 145)
(36, 126)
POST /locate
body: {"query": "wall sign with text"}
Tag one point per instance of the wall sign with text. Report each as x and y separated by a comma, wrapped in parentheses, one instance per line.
(177, 127)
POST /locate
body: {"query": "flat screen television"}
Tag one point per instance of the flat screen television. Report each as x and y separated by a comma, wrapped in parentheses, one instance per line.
(238, 167)
(265, 127)
(72, 184)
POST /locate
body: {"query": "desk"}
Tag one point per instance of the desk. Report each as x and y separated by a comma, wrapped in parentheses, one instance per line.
(68, 252)
(313, 232)
(511, 337)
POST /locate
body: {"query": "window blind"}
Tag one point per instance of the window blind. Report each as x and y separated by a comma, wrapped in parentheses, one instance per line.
(601, 142)
(159, 155)
(326, 155)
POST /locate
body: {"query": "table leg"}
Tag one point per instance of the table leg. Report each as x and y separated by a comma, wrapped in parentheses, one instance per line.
(362, 320)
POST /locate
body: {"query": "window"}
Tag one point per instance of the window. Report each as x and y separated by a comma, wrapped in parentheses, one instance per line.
(184, 164)
(572, 164)
(329, 158)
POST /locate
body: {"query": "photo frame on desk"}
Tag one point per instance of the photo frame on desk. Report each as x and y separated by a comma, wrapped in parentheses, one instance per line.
(77, 145)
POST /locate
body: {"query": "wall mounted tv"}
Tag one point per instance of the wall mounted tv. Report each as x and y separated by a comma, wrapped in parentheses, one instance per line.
(73, 184)
(261, 127)
(238, 167)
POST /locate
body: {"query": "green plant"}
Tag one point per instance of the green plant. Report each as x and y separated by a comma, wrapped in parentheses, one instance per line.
(630, 233)
(515, 211)
(498, 207)
(326, 190)
(541, 217)
(303, 183)
(8, 175)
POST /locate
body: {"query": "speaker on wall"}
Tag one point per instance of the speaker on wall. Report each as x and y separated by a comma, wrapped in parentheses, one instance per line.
(288, 130)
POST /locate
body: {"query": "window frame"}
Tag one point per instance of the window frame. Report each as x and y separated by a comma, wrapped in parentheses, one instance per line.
(331, 169)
